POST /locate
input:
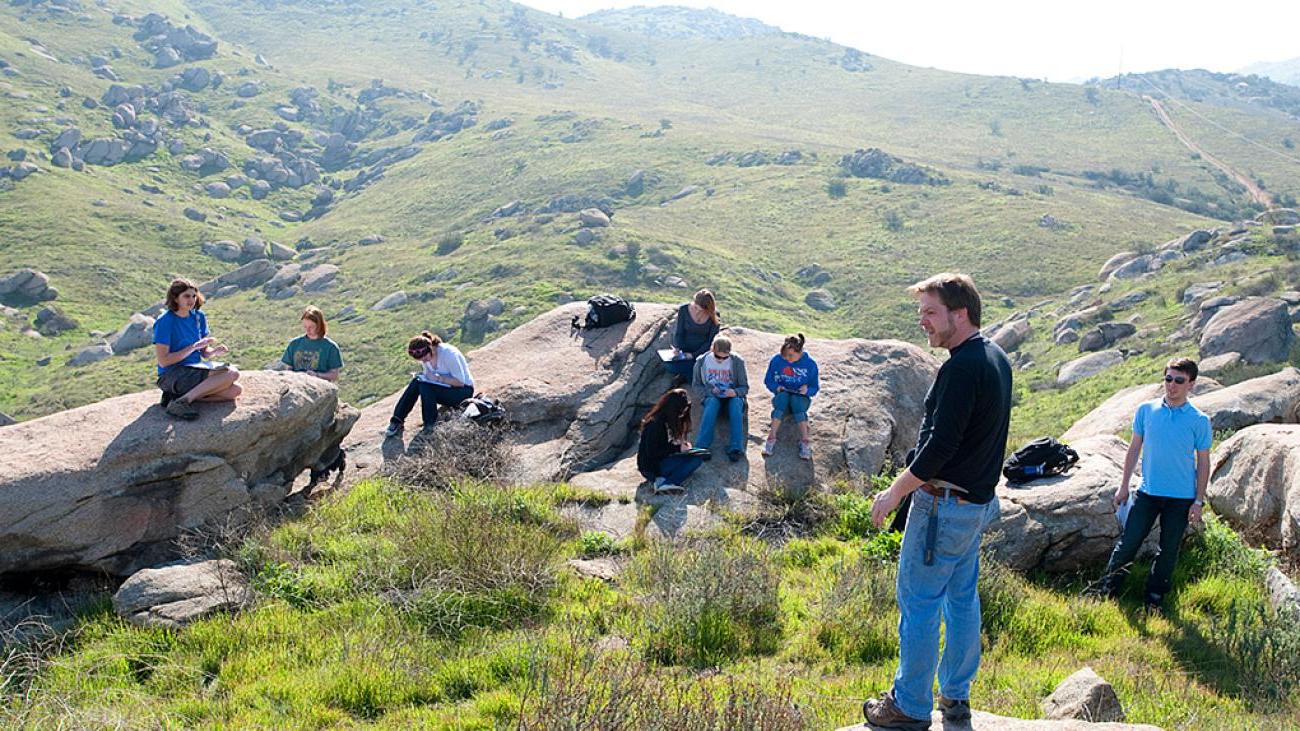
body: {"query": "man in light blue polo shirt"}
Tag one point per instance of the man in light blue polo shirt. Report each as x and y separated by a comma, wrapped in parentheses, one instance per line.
(1172, 437)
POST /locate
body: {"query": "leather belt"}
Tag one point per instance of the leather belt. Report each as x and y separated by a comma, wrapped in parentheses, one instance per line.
(942, 489)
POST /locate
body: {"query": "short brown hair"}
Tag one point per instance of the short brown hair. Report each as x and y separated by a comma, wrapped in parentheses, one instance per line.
(179, 287)
(1183, 365)
(956, 292)
(313, 313)
(794, 342)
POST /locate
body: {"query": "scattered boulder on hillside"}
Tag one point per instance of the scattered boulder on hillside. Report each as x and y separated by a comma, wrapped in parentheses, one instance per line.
(171, 44)
(813, 275)
(1114, 263)
(1012, 333)
(390, 302)
(876, 163)
(1136, 267)
(1200, 291)
(1280, 217)
(1257, 327)
(252, 248)
(319, 278)
(592, 218)
(280, 252)
(1089, 365)
(26, 287)
(1105, 335)
(1255, 484)
(1194, 241)
(136, 333)
(223, 250)
(110, 486)
(1274, 398)
(635, 184)
(50, 321)
(684, 192)
(195, 214)
(1282, 593)
(285, 283)
(91, 354)
(1217, 364)
(1084, 696)
(253, 274)
(174, 596)
(6, 420)
(1208, 309)
(1115, 414)
(205, 162)
(1062, 523)
(820, 300)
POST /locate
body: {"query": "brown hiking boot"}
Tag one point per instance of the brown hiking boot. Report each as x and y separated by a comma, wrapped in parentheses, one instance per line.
(882, 712)
(954, 711)
(182, 409)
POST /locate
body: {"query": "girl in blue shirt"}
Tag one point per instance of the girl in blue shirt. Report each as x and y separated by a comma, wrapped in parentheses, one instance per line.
(792, 379)
(182, 344)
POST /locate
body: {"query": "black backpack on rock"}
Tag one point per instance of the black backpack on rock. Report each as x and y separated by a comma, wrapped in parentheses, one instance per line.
(482, 409)
(1043, 457)
(604, 310)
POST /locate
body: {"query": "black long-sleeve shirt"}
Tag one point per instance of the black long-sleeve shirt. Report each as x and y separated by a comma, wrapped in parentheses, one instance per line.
(963, 437)
(691, 337)
(654, 447)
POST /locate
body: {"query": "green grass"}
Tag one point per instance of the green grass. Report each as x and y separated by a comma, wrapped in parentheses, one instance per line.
(804, 631)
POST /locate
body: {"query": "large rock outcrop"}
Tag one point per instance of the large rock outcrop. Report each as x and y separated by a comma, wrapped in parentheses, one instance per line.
(981, 721)
(1062, 523)
(1255, 484)
(109, 486)
(1257, 327)
(574, 399)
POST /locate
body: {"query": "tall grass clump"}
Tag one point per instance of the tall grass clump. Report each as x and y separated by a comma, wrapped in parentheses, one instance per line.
(706, 601)
(857, 621)
(617, 692)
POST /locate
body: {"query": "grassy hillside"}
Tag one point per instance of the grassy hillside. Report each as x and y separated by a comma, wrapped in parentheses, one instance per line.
(353, 628)
(589, 104)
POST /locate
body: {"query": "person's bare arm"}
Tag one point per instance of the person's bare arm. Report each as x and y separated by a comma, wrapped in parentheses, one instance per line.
(1130, 464)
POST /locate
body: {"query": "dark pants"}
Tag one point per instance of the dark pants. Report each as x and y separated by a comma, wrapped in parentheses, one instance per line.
(1172, 513)
(675, 468)
(684, 367)
(430, 397)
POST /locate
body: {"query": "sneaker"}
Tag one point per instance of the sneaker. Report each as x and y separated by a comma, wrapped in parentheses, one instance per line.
(954, 711)
(707, 456)
(882, 712)
(1154, 603)
(659, 483)
(769, 447)
(668, 488)
(182, 410)
(394, 429)
(805, 450)
(426, 431)
(734, 455)
(167, 398)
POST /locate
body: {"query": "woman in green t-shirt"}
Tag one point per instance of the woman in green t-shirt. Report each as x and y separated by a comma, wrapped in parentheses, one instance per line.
(312, 352)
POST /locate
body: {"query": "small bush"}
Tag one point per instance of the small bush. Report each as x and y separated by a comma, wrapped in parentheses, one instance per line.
(597, 543)
(837, 188)
(893, 221)
(706, 602)
(783, 514)
(449, 243)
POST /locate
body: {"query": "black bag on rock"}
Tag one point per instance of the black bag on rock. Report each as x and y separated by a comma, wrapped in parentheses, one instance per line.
(604, 310)
(482, 409)
(1043, 457)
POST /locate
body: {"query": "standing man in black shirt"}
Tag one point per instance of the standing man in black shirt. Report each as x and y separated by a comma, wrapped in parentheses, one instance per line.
(958, 459)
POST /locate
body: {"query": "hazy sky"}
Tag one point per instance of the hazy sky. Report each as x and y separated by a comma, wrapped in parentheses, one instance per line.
(1060, 41)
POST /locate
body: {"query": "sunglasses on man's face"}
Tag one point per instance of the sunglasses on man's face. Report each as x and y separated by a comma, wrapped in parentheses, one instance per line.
(1180, 380)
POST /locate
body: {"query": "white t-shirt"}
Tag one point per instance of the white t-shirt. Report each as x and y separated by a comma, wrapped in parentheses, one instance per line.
(717, 373)
(450, 364)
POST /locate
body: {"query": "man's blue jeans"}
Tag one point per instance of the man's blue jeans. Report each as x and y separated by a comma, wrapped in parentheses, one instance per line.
(735, 416)
(948, 588)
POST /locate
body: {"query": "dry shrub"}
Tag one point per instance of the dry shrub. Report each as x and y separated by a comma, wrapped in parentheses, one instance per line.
(785, 514)
(456, 449)
(617, 692)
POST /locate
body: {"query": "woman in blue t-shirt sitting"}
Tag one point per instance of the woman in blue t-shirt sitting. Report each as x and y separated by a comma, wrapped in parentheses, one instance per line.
(444, 379)
(182, 346)
(312, 352)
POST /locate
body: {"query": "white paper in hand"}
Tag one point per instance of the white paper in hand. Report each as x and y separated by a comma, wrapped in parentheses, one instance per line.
(1121, 512)
(472, 411)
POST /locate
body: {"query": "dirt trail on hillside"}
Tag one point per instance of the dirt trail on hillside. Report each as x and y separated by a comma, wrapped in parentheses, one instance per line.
(1257, 193)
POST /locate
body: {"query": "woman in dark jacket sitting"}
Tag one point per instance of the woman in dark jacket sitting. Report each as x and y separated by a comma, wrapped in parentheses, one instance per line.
(664, 438)
(697, 325)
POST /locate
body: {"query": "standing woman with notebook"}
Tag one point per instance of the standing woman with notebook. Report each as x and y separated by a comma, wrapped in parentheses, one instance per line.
(182, 345)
